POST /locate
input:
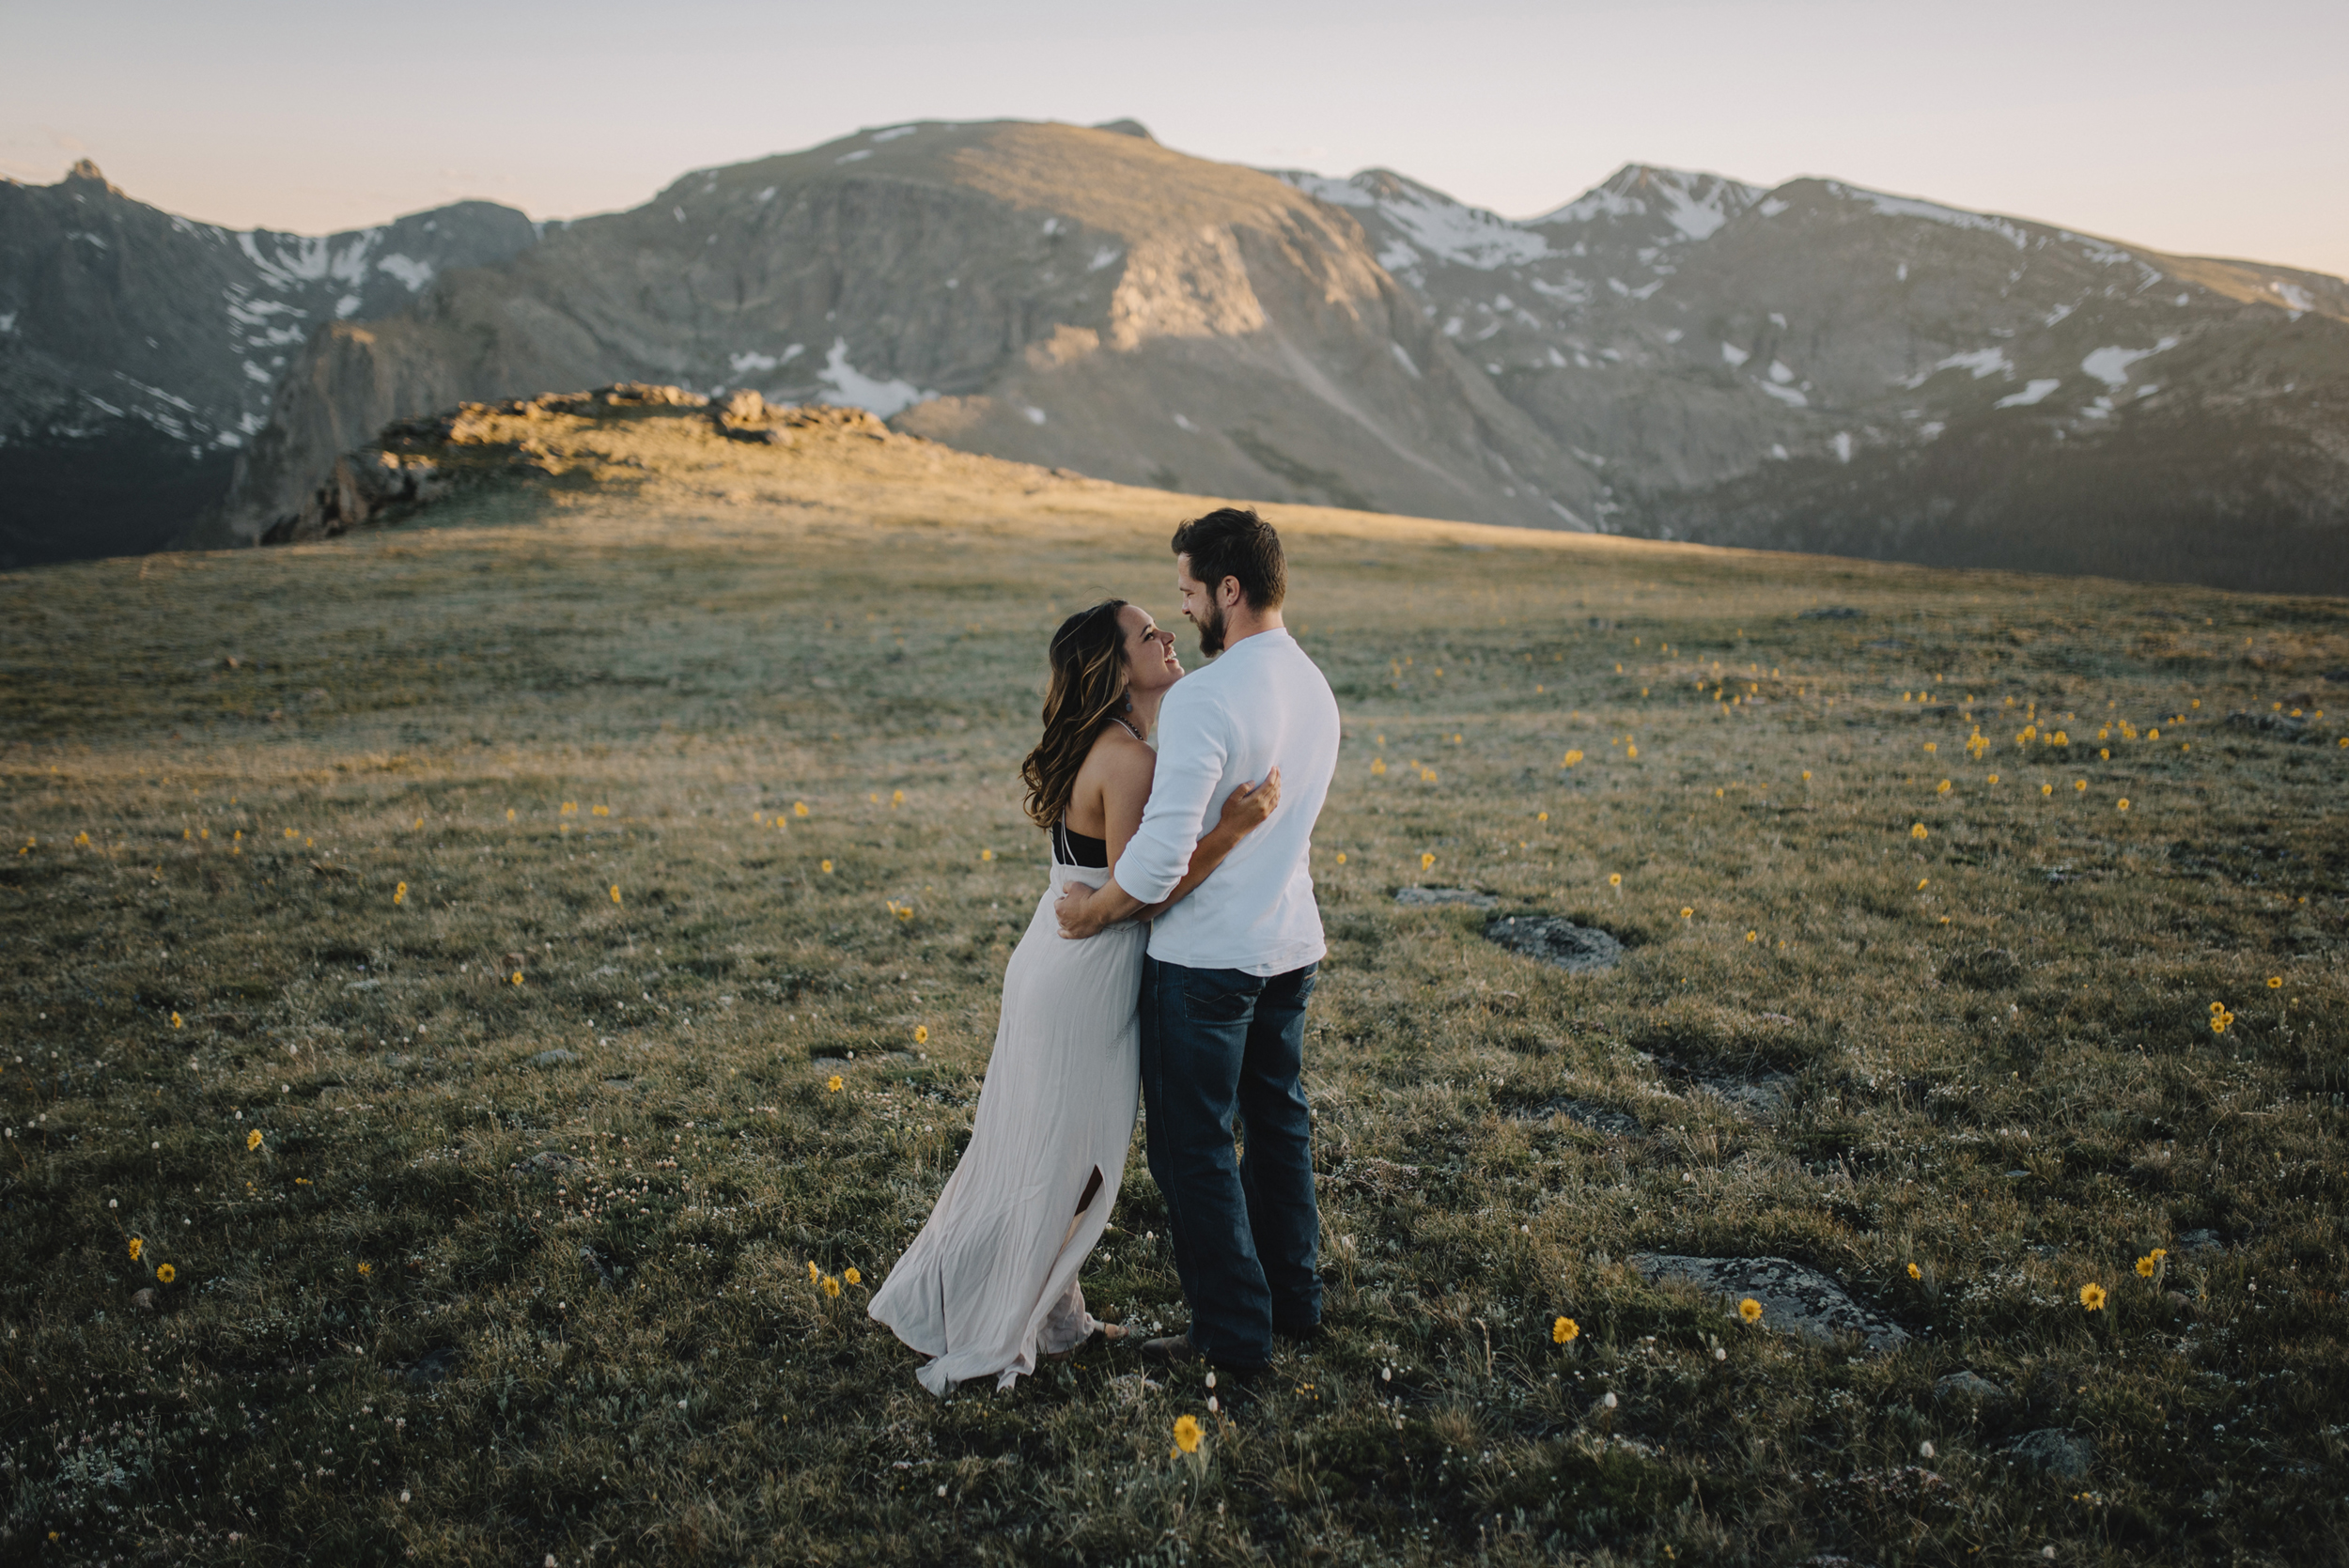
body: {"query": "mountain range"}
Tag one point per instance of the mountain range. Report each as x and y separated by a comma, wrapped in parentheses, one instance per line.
(1812, 366)
(138, 351)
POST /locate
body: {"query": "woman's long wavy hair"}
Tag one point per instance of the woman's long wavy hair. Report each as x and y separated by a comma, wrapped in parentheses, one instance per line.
(1087, 690)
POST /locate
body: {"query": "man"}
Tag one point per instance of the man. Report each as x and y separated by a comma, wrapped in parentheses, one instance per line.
(1231, 966)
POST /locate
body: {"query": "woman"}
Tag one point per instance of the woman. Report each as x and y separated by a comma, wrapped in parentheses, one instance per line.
(991, 1281)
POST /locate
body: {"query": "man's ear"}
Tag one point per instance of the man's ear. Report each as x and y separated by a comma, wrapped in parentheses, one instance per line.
(1228, 594)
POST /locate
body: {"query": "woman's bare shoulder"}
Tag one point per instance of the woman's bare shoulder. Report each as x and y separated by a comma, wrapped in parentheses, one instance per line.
(1117, 758)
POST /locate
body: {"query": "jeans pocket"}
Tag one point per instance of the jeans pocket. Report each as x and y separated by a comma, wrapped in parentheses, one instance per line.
(1206, 1000)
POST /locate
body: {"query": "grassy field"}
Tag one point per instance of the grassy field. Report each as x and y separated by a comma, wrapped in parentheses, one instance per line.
(470, 987)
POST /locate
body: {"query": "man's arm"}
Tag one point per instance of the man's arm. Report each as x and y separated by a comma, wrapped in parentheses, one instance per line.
(1191, 752)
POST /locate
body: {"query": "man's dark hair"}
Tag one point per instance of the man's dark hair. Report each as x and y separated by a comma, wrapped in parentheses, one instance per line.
(1236, 542)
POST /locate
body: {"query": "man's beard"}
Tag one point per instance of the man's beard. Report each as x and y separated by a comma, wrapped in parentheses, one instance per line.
(1211, 633)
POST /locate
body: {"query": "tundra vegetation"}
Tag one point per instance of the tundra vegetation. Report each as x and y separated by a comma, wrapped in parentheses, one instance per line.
(489, 999)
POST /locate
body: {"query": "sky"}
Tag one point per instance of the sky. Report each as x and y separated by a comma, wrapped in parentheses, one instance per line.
(2172, 125)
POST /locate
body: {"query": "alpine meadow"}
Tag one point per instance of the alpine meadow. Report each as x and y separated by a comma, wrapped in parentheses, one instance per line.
(491, 995)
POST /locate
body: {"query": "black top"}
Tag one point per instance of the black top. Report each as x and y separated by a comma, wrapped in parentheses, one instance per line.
(1079, 848)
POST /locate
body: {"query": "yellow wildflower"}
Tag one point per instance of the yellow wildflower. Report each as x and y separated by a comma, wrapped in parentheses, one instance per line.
(799, 808)
(518, 977)
(615, 893)
(1565, 1331)
(986, 855)
(1920, 831)
(1187, 1434)
(137, 1247)
(2093, 1297)
(1341, 857)
(1614, 879)
(1923, 882)
(165, 1273)
(814, 1273)
(1931, 746)
(1631, 754)
(1686, 912)
(2145, 1267)
(1754, 936)
(399, 893)
(174, 1020)
(1942, 789)
(2125, 802)
(921, 1035)
(1750, 1309)
(2275, 982)
(2081, 784)
(365, 1269)
(832, 1287)
(1916, 1273)
(1378, 767)
(833, 1083)
(1427, 859)
(253, 1140)
(1571, 758)
(897, 797)
(852, 1277)
(825, 867)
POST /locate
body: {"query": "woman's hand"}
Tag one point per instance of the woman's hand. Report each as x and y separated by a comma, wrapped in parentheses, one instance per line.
(1247, 806)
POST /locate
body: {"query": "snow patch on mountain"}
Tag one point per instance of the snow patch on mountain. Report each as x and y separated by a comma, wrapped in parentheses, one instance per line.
(2034, 392)
(412, 275)
(2112, 366)
(858, 389)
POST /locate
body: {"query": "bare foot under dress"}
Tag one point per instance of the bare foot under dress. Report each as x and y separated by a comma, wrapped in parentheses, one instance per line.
(990, 1283)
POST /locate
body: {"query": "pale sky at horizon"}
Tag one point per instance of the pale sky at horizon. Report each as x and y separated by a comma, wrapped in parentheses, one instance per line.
(2155, 122)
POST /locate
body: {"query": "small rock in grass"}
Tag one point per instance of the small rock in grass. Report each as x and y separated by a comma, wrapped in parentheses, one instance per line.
(1756, 1099)
(2053, 1451)
(434, 1365)
(555, 1058)
(2191, 1242)
(1584, 1113)
(1417, 898)
(144, 1300)
(1968, 1385)
(1550, 940)
(1993, 969)
(1794, 1297)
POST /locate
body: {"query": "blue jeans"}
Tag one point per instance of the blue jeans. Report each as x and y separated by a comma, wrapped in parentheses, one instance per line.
(1218, 1044)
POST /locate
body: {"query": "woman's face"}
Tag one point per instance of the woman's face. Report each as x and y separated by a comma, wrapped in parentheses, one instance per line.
(1150, 662)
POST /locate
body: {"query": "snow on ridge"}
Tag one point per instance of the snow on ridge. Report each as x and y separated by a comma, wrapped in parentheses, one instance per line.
(1912, 207)
(2292, 294)
(1431, 222)
(1693, 203)
(858, 389)
(1328, 188)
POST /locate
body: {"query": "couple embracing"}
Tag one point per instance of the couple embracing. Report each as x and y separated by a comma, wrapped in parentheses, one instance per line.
(1169, 957)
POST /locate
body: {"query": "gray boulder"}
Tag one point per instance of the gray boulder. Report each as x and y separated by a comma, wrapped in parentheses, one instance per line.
(1969, 1386)
(1794, 1297)
(1421, 898)
(2052, 1451)
(1561, 943)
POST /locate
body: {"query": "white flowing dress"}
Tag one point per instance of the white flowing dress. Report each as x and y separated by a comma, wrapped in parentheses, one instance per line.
(991, 1281)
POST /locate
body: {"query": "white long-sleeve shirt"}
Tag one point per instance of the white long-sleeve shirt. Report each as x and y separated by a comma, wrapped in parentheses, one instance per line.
(1262, 704)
